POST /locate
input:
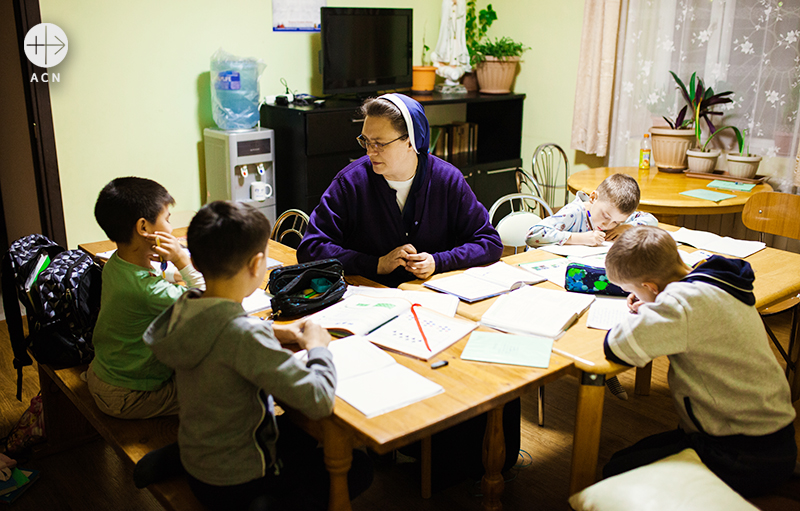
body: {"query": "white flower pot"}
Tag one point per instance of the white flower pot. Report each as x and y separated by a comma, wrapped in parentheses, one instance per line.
(700, 161)
(669, 148)
(743, 166)
(496, 75)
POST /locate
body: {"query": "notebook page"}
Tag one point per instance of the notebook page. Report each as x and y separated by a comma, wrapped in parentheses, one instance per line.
(258, 300)
(505, 275)
(442, 303)
(466, 287)
(523, 350)
(606, 313)
(378, 392)
(403, 335)
(577, 250)
(537, 311)
(360, 314)
(710, 241)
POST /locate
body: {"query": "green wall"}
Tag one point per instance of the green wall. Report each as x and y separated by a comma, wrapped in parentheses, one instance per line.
(134, 92)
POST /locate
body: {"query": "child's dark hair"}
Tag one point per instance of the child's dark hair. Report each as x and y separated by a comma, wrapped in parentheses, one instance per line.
(125, 200)
(224, 235)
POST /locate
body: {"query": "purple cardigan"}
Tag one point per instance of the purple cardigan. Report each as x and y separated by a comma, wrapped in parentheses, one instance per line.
(358, 221)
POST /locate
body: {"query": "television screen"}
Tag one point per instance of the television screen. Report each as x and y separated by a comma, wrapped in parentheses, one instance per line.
(365, 50)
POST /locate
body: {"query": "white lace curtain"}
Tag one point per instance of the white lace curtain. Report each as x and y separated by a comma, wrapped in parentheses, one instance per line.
(751, 47)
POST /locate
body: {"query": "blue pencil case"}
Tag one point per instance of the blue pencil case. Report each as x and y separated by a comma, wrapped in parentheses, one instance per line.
(581, 278)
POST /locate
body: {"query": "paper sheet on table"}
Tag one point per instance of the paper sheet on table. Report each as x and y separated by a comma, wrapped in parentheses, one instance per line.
(555, 270)
(441, 303)
(258, 300)
(702, 193)
(521, 350)
(606, 313)
(692, 258)
(577, 250)
(714, 243)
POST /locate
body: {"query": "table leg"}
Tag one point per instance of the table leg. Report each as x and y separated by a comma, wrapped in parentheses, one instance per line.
(643, 377)
(494, 454)
(586, 440)
(338, 448)
(427, 473)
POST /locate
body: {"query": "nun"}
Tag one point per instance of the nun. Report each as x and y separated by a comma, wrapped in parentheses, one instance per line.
(399, 213)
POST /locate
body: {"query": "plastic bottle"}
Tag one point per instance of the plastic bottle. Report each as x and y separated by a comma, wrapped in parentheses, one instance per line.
(644, 152)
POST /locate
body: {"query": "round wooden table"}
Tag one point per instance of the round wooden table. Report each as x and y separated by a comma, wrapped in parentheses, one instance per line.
(661, 192)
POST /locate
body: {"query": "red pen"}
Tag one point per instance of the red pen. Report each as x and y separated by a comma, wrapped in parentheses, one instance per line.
(419, 325)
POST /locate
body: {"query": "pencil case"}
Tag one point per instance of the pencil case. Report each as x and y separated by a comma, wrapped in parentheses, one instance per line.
(304, 288)
(582, 278)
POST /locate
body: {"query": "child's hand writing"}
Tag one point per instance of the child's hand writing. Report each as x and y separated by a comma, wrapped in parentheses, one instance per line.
(169, 248)
(591, 238)
(634, 303)
(313, 336)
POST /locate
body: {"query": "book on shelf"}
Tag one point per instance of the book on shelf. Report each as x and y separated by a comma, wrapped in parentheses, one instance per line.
(394, 324)
(536, 311)
(371, 381)
(456, 138)
(484, 282)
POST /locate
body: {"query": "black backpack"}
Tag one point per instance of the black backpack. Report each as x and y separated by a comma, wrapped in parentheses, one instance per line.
(61, 303)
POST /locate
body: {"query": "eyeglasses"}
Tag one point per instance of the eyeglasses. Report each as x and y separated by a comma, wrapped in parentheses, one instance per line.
(376, 146)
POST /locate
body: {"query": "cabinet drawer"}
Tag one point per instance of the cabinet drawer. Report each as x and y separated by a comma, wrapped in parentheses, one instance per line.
(322, 170)
(332, 132)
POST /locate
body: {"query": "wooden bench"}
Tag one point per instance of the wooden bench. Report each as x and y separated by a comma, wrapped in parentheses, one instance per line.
(71, 417)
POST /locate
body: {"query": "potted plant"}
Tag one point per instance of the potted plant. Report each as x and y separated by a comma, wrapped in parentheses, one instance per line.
(477, 24)
(703, 160)
(670, 146)
(423, 77)
(496, 62)
(743, 164)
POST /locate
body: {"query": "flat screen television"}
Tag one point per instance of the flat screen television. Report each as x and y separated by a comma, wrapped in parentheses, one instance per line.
(365, 50)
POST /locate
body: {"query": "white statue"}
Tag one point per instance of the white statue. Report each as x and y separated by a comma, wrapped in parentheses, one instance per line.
(451, 56)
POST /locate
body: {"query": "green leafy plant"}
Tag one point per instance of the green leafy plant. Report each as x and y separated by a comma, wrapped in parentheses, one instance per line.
(426, 60)
(477, 23)
(739, 138)
(499, 48)
(700, 100)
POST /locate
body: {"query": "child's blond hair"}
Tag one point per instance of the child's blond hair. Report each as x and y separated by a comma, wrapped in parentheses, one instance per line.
(622, 191)
(644, 254)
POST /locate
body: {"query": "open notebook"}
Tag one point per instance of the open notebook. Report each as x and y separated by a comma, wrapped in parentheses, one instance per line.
(536, 311)
(371, 381)
(389, 322)
(484, 282)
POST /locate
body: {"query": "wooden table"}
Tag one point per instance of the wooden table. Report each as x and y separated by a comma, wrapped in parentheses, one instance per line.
(471, 389)
(776, 279)
(660, 192)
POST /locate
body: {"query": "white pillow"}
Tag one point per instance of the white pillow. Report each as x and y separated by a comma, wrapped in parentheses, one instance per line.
(679, 482)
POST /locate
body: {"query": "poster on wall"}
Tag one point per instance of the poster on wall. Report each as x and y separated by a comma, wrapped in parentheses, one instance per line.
(296, 15)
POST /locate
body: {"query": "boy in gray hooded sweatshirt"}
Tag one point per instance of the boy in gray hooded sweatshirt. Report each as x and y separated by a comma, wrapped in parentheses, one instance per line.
(228, 366)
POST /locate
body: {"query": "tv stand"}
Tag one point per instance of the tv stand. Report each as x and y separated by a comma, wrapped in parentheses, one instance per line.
(313, 144)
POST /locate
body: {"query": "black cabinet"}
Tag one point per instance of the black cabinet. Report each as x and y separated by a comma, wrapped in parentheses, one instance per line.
(313, 144)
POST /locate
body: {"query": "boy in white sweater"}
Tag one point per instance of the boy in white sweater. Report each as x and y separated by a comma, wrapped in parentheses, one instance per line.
(728, 389)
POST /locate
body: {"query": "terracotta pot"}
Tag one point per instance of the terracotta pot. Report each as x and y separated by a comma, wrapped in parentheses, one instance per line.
(423, 79)
(700, 161)
(470, 81)
(495, 76)
(669, 148)
(743, 166)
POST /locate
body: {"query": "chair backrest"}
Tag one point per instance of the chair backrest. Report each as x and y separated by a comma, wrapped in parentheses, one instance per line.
(773, 213)
(290, 227)
(549, 162)
(519, 217)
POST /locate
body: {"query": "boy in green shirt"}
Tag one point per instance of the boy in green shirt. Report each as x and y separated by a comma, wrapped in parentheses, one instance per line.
(125, 378)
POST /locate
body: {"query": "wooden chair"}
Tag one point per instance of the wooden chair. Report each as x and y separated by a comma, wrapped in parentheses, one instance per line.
(779, 214)
(290, 227)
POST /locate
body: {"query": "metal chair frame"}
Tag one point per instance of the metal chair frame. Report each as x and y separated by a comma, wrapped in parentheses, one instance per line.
(546, 164)
(299, 224)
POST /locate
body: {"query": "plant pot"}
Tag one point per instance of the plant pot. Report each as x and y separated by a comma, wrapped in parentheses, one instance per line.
(669, 148)
(743, 166)
(700, 161)
(423, 79)
(495, 75)
(470, 81)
